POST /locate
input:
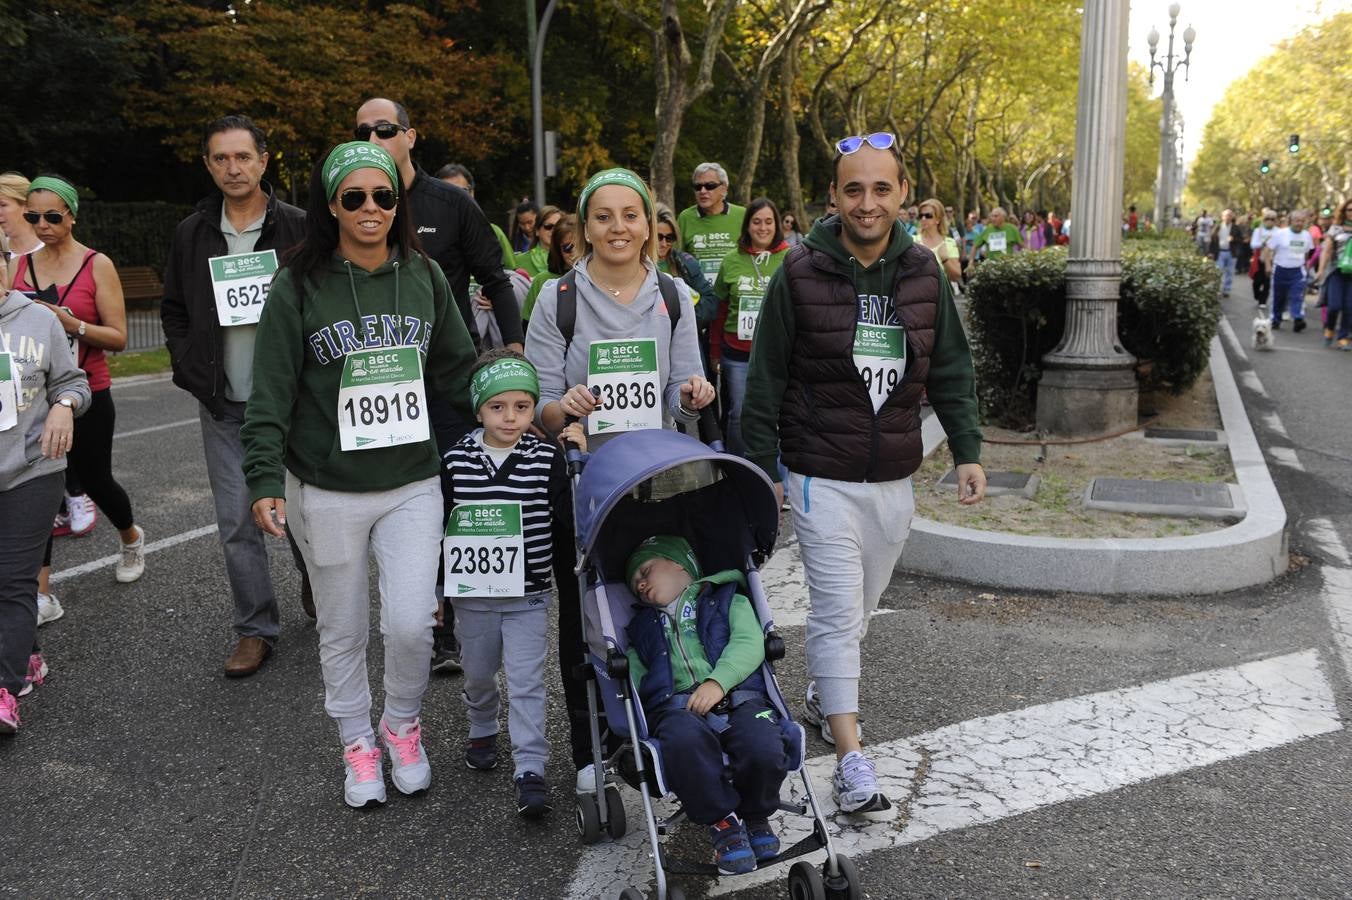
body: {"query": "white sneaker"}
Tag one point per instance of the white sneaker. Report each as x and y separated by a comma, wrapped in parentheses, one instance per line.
(812, 715)
(409, 769)
(365, 781)
(855, 785)
(49, 608)
(586, 779)
(82, 514)
(133, 563)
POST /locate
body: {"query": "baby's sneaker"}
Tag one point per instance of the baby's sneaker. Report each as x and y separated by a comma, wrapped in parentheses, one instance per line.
(764, 841)
(732, 849)
(532, 795)
(409, 769)
(365, 782)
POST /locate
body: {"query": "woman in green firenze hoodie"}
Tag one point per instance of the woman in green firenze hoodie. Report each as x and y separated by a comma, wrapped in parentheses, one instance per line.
(740, 287)
(358, 333)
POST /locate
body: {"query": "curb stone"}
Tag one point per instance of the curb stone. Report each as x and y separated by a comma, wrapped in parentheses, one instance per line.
(1249, 553)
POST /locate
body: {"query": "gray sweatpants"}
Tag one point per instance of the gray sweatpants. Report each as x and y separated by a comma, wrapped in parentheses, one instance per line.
(850, 536)
(515, 641)
(335, 531)
(246, 554)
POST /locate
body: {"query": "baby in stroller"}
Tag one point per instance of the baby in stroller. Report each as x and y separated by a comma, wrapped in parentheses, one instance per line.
(695, 653)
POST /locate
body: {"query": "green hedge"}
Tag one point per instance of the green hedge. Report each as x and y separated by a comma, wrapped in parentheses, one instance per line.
(1167, 315)
(130, 234)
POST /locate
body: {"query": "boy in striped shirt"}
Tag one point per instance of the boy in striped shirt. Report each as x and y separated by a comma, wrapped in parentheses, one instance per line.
(503, 462)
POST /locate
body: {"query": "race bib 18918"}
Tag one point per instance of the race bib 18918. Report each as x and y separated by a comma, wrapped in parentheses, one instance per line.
(484, 551)
(240, 283)
(880, 357)
(9, 392)
(631, 395)
(381, 401)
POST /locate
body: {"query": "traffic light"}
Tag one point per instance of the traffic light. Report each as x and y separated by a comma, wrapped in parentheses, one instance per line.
(1265, 166)
(1294, 144)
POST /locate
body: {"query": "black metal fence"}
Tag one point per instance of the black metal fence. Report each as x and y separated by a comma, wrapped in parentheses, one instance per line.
(144, 331)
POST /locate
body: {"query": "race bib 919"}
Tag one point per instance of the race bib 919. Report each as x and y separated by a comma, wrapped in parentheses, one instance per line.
(880, 357)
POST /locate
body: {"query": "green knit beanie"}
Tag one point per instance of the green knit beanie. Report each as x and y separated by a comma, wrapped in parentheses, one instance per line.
(662, 546)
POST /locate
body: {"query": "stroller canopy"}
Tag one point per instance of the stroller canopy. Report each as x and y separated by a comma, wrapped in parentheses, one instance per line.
(739, 493)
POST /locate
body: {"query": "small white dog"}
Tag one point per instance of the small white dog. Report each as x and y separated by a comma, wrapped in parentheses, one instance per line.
(1263, 338)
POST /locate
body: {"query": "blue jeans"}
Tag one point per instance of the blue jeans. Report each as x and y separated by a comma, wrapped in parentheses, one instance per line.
(1288, 287)
(1226, 263)
(734, 389)
(1338, 288)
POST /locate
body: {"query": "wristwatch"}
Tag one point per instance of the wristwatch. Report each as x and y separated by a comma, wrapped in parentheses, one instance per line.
(67, 402)
(81, 330)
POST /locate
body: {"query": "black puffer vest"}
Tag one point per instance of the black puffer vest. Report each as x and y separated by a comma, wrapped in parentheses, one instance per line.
(827, 427)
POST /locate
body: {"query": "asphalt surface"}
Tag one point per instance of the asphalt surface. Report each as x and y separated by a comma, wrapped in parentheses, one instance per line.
(142, 771)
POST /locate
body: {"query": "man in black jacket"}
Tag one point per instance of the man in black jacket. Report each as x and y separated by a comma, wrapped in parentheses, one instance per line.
(450, 225)
(220, 265)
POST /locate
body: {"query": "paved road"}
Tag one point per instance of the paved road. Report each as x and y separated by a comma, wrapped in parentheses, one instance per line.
(1043, 745)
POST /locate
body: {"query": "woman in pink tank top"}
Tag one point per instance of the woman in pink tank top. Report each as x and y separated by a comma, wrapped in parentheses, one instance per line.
(82, 288)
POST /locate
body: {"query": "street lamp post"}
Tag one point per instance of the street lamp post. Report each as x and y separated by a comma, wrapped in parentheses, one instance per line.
(1164, 180)
(1088, 384)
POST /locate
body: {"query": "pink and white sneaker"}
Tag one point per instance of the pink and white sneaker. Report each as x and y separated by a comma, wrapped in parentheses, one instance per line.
(365, 782)
(9, 712)
(409, 769)
(37, 673)
(83, 515)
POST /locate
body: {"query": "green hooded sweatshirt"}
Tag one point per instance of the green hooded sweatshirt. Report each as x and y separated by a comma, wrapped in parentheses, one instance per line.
(690, 665)
(951, 386)
(292, 416)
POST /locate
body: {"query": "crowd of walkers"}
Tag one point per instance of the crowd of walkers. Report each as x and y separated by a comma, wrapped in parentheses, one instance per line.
(1288, 255)
(369, 364)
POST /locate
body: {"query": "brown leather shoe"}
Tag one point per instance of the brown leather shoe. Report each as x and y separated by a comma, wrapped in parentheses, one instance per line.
(307, 596)
(247, 658)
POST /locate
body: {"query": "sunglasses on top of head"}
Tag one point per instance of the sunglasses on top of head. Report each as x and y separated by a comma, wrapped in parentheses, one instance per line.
(879, 140)
(52, 216)
(354, 199)
(383, 130)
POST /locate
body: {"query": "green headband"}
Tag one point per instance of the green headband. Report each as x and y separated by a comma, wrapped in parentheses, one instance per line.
(347, 158)
(59, 186)
(501, 376)
(612, 176)
(662, 546)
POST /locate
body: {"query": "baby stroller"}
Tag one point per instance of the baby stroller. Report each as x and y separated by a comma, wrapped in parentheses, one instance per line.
(663, 482)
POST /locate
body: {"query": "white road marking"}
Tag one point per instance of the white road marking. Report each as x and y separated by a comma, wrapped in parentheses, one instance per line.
(152, 547)
(991, 768)
(1285, 456)
(135, 431)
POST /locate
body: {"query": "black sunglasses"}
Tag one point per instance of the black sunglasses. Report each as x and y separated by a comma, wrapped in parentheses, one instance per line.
(567, 248)
(548, 226)
(51, 216)
(354, 199)
(667, 238)
(383, 130)
(707, 185)
(926, 215)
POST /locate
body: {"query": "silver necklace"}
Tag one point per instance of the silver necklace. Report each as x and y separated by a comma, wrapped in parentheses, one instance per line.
(615, 292)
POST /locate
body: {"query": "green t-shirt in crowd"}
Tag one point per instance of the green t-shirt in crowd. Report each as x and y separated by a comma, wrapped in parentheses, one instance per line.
(992, 240)
(710, 238)
(741, 283)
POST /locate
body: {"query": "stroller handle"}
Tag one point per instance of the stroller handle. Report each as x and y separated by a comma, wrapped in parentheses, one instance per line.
(572, 452)
(709, 430)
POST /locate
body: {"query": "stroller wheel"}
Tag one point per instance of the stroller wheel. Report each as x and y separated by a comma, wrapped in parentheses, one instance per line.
(588, 819)
(805, 882)
(616, 825)
(844, 886)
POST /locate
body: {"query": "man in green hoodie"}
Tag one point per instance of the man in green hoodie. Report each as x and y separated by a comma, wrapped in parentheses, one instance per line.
(856, 326)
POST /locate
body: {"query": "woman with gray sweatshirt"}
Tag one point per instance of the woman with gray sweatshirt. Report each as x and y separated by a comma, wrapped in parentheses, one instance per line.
(648, 373)
(41, 393)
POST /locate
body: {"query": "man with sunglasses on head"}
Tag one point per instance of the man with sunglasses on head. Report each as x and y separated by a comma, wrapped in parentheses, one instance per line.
(452, 229)
(855, 326)
(213, 296)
